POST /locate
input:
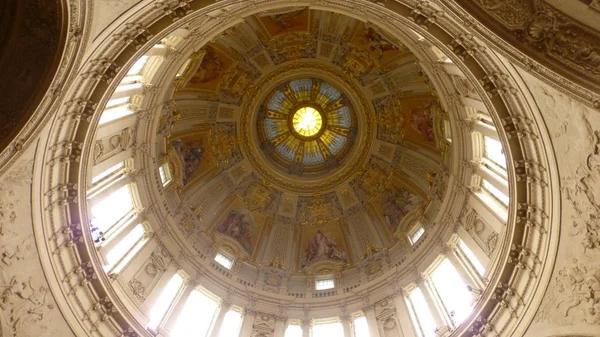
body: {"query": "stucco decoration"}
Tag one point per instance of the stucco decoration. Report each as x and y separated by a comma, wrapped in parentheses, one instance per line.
(573, 296)
(27, 307)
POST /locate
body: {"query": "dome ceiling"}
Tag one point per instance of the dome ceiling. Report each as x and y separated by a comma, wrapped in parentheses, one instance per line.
(318, 126)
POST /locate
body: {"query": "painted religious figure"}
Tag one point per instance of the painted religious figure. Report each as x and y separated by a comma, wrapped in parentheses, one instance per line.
(191, 154)
(421, 119)
(377, 43)
(397, 203)
(287, 20)
(239, 225)
(323, 246)
(209, 69)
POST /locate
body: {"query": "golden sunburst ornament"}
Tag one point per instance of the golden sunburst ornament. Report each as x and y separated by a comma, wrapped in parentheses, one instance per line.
(307, 121)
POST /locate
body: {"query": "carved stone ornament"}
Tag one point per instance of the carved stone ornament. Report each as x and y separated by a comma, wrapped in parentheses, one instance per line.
(545, 34)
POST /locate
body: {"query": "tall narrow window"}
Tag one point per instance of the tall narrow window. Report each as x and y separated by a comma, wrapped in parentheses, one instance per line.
(293, 330)
(447, 130)
(328, 330)
(117, 101)
(422, 313)
(165, 174)
(224, 260)
(496, 193)
(361, 327)
(138, 65)
(493, 151)
(471, 257)
(164, 302)
(121, 252)
(112, 208)
(231, 324)
(452, 291)
(114, 113)
(416, 233)
(197, 316)
(108, 172)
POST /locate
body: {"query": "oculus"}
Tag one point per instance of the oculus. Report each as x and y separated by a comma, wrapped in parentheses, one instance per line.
(307, 121)
(306, 126)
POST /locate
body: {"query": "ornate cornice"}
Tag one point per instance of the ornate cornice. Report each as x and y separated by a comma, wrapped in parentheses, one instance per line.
(546, 35)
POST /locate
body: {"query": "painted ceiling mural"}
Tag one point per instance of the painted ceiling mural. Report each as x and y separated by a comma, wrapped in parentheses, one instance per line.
(303, 82)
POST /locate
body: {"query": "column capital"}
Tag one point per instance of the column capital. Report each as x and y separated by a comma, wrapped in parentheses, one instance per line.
(250, 312)
(345, 318)
(281, 318)
(368, 308)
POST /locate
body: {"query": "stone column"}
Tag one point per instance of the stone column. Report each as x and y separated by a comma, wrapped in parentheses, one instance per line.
(403, 315)
(247, 323)
(178, 307)
(279, 326)
(347, 325)
(372, 321)
(436, 313)
(306, 324)
(223, 308)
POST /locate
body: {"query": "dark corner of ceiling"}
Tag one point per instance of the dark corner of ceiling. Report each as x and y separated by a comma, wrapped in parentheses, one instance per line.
(32, 37)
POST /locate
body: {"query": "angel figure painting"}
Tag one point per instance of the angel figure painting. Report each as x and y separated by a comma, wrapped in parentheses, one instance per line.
(421, 119)
(397, 203)
(323, 246)
(191, 154)
(239, 225)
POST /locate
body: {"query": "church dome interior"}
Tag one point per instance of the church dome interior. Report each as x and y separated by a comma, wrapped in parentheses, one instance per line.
(316, 168)
(303, 154)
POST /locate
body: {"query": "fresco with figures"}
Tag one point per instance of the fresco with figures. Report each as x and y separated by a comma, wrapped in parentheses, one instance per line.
(324, 242)
(241, 225)
(394, 203)
(194, 155)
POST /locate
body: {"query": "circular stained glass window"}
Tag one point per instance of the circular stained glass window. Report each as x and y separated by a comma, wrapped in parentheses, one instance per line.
(307, 121)
(308, 126)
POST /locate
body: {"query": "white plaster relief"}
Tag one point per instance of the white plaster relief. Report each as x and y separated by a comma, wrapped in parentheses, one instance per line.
(573, 296)
(27, 308)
